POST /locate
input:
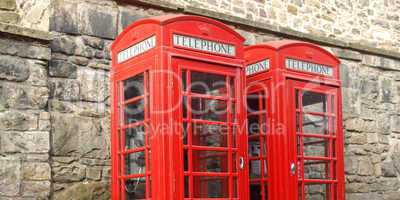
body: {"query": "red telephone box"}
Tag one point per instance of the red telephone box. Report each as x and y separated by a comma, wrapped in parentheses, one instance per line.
(178, 110)
(294, 101)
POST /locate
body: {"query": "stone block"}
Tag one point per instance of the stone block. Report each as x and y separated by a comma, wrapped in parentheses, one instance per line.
(9, 17)
(64, 89)
(79, 60)
(25, 142)
(360, 125)
(65, 17)
(396, 156)
(13, 68)
(36, 171)
(388, 169)
(395, 123)
(24, 49)
(68, 172)
(357, 187)
(23, 97)
(99, 64)
(36, 189)
(365, 167)
(127, 17)
(84, 18)
(74, 135)
(98, 21)
(63, 69)
(8, 4)
(63, 44)
(10, 176)
(93, 42)
(81, 191)
(93, 173)
(93, 85)
(19, 121)
(38, 74)
(347, 54)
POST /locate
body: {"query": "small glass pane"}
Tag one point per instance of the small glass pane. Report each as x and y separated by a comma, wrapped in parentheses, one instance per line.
(235, 187)
(185, 133)
(234, 135)
(209, 135)
(210, 187)
(186, 182)
(316, 169)
(253, 102)
(185, 160)
(135, 188)
(148, 160)
(265, 191)
(316, 192)
(333, 125)
(314, 102)
(134, 137)
(315, 147)
(210, 161)
(184, 106)
(209, 109)
(234, 162)
(255, 168)
(254, 149)
(184, 84)
(135, 163)
(134, 112)
(253, 124)
(232, 86)
(134, 87)
(296, 97)
(255, 191)
(206, 83)
(314, 124)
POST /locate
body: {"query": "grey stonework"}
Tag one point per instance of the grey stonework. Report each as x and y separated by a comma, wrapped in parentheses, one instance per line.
(54, 101)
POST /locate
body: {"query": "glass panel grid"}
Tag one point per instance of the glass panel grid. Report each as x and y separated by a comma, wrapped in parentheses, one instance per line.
(319, 148)
(134, 139)
(209, 136)
(257, 129)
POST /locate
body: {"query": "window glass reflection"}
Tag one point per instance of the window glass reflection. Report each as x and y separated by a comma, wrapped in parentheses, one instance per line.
(206, 83)
(209, 109)
(314, 102)
(210, 161)
(134, 112)
(209, 135)
(134, 87)
(135, 163)
(134, 137)
(210, 187)
(314, 124)
(135, 188)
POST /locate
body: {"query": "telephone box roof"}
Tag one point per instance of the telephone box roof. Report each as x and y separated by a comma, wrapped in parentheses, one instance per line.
(282, 44)
(167, 19)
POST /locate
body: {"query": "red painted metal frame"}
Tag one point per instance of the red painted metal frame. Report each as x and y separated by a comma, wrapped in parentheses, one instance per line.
(163, 64)
(283, 136)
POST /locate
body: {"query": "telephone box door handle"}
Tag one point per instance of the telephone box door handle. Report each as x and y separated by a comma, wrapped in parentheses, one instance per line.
(241, 162)
(292, 168)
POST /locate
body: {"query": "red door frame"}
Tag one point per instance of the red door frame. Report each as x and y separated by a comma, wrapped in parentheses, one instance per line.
(179, 64)
(165, 172)
(282, 182)
(333, 135)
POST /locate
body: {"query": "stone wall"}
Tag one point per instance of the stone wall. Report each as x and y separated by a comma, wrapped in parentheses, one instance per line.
(54, 97)
(376, 22)
(24, 118)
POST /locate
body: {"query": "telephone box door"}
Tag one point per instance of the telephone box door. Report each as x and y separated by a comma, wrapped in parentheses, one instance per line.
(314, 121)
(210, 144)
